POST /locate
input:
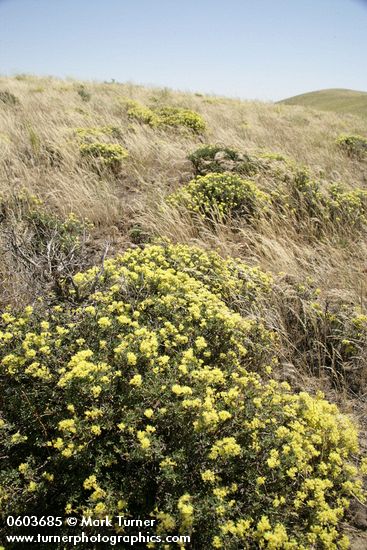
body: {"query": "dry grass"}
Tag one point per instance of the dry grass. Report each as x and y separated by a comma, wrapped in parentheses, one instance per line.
(39, 153)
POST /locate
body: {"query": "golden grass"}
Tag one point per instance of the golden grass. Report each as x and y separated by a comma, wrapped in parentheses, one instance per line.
(51, 109)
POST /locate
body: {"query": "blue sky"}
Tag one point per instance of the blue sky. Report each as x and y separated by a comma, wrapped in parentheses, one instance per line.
(262, 49)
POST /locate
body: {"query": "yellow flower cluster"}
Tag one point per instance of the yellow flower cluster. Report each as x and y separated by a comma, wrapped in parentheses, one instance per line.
(221, 195)
(294, 196)
(165, 116)
(89, 133)
(110, 154)
(225, 448)
(186, 510)
(353, 145)
(165, 403)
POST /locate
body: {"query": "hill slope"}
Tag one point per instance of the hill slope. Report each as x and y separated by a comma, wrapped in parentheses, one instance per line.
(88, 170)
(337, 100)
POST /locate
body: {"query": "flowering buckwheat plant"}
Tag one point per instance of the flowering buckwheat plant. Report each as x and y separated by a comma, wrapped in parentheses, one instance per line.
(150, 395)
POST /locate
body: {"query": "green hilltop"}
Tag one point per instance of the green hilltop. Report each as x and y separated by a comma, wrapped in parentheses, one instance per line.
(337, 100)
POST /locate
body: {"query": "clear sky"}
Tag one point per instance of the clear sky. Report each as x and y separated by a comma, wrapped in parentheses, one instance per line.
(263, 49)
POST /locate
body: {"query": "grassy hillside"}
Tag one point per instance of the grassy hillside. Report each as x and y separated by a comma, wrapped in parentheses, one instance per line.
(336, 100)
(240, 286)
(40, 153)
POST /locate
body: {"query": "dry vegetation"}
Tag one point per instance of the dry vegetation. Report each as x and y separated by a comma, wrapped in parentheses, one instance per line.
(62, 211)
(40, 154)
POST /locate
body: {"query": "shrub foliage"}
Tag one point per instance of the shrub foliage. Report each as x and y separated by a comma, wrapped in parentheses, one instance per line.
(109, 154)
(41, 247)
(175, 116)
(91, 133)
(215, 158)
(8, 98)
(150, 396)
(219, 196)
(301, 200)
(166, 116)
(353, 145)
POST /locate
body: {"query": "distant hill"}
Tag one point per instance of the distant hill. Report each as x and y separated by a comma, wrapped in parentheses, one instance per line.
(337, 100)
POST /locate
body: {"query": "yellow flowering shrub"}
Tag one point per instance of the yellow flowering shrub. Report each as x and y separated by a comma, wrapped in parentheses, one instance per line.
(166, 116)
(291, 193)
(140, 113)
(109, 154)
(91, 133)
(176, 116)
(347, 208)
(353, 145)
(98, 144)
(149, 395)
(221, 195)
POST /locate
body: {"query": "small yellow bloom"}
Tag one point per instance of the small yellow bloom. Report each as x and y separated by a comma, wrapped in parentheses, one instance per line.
(136, 380)
(148, 413)
(23, 468)
(32, 487)
(131, 358)
(104, 322)
(208, 475)
(95, 429)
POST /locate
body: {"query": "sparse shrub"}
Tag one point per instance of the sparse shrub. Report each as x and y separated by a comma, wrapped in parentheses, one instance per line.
(40, 152)
(213, 100)
(274, 156)
(165, 116)
(8, 98)
(110, 155)
(138, 235)
(147, 401)
(220, 196)
(347, 208)
(355, 146)
(52, 155)
(90, 133)
(34, 141)
(143, 114)
(300, 201)
(331, 210)
(84, 94)
(216, 158)
(307, 199)
(327, 336)
(175, 116)
(161, 96)
(39, 246)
